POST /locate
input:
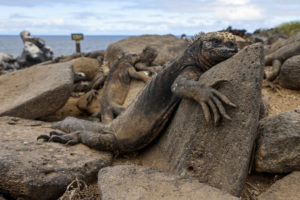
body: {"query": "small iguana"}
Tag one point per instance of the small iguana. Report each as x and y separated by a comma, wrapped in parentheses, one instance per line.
(278, 57)
(147, 115)
(117, 85)
(146, 59)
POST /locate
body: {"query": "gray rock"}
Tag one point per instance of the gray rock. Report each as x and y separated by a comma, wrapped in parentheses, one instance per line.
(284, 189)
(219, 156)
(289, 76)
(136, 182)
(8, 62)
(40, 171)
(35, 92)
(278, 148)
(2, 69)
(35, 50)
(168, 46)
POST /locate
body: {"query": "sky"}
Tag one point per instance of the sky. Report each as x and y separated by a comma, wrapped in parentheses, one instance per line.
(136, 17)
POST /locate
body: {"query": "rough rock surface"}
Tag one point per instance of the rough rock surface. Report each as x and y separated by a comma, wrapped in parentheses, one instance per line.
(168, 46)
(219, 156)
(35, 92)
(289, 76)
(89, 66)
(284, 189)
(136, 182)
(35, 50)
(37, 170)
(278, 148)
(8, 62)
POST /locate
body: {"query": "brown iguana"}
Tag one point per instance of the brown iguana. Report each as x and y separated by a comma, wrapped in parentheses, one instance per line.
(144, 62)
(117, 85)
(277, 58)
(146, 116)
(146, 59)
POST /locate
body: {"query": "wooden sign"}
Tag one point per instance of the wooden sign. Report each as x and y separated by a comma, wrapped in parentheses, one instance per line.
(77, 36)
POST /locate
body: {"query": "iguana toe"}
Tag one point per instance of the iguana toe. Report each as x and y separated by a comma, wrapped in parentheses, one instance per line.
(274, 87)
(221, 108)
(58, 139)
(56, 133)
(44, 137)
(223, 98)
(215, 112)
(205, 111)
(72, 142)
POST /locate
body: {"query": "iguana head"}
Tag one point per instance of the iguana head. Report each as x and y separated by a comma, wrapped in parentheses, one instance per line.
(211, 48)
(148, 55)
(130, 57)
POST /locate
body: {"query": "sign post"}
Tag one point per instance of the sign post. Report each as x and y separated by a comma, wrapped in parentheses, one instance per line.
(77, 37)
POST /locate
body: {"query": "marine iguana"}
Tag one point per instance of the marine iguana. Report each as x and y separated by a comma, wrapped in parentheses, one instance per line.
(146, 116)
(117, 85)
(146, 59)
(98, 81)
(144, 62)
(278, 57)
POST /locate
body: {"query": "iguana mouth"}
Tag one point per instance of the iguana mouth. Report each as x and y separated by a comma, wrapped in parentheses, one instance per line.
(230, 50)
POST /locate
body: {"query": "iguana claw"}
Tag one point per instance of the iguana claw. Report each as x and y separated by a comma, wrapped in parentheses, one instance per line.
(210, 99)
(214, 104)
(58, 137)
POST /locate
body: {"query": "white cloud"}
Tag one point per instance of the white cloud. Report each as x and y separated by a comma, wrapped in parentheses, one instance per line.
(239, 13)
(144, 16)
(234, 2)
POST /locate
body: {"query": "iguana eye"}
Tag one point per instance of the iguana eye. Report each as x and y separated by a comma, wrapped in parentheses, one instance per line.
(216, 41)
(230, 44)
(208, 44)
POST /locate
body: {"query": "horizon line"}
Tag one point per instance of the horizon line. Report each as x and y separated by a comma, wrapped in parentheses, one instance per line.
(92, 34)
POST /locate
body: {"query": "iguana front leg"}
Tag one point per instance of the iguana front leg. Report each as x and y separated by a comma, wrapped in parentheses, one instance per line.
(143, 67)
(137, 75)
(93, 134)
(210, 99)
(96, 140)
(72, 124)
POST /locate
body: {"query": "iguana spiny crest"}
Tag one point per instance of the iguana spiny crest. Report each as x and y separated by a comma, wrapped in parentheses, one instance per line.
(224, 36)
(211, 48)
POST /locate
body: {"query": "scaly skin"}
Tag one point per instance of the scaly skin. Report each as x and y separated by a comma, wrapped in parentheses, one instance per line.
(146, 60)
(277, 58)
(118, 79)
(117, 86)
(147, 115)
